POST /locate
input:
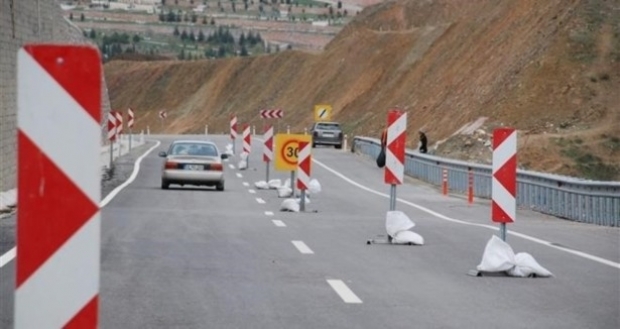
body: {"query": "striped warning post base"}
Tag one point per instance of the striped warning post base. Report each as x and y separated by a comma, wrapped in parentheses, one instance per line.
(504, 182)
(268, 148)
(304, 161)
(58, 224)
(395, 150)
(247, 139)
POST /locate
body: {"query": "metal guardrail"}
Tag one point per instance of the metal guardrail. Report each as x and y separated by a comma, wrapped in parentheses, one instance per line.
(565, 197)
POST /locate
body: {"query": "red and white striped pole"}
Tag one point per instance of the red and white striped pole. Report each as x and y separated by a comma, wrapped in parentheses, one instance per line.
(247, 142)
(58, 221)
(304, 160)
(130, 118)
(119, 130)
(233, 131)
(470, 186)
(504, 182)
(444, 182)
(111, 135)
(268, 148)
(395, 152)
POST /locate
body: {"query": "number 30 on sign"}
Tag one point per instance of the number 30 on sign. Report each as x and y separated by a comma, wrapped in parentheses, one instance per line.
(286, 148)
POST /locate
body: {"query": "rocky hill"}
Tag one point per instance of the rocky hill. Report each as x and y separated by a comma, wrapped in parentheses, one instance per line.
(549, 68)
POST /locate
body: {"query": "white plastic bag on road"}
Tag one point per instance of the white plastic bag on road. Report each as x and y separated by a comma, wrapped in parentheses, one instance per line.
(499, 257)
(229, 150)
(261, 185)
(284, 192)
(314, 186)
(289, 205)
(275, 183)
(398, 224)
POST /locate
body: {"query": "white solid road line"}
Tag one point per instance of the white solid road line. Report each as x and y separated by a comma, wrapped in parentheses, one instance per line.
(239, 175)
(268, 213)
(458, 221)
(260, 200)
(251, 191)
(246, 184)
(302, 247)
(10, 255)
(347, 295)
(278, 223)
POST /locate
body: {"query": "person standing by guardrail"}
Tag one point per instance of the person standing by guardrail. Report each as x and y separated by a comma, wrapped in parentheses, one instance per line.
(423, 142)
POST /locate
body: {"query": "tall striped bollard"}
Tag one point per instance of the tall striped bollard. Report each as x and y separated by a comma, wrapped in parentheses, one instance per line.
(58, 221)
(504, 182)
(304, 161)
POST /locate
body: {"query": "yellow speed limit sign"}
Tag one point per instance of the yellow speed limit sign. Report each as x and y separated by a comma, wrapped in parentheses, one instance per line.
(286, 148)
(322, 112)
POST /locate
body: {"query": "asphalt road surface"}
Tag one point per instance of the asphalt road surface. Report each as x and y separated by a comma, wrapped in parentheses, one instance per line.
(199, 258)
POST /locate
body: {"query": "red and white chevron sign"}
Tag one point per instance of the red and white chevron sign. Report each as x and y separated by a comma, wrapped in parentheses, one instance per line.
(130, 118)
(268, 147)
(304, 159)
(272, 113)
(111, 126)
(119, 122)
(233, 127)
(504, 183)
(247, 139)
(395, 150)
(58, 222)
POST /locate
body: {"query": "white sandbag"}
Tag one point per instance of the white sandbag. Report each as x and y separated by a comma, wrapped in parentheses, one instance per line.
(284, 192)
(498, 256)
(261, 185)
(408, 237)
(275, 183)
(397, 225)
(287, 182)
(242, 165)
(289, 205)
(314, 186)
(526, 266)
(244, 156)
(229, 149)
(396, 221)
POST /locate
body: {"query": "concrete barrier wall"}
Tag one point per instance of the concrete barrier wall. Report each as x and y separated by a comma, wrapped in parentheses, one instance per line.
(22, 22)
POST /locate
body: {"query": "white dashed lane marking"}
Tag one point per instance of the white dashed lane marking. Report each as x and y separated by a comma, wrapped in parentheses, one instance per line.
(268, 213)
(259, 200)
(278, 223)
(347, 295)
(302, 247)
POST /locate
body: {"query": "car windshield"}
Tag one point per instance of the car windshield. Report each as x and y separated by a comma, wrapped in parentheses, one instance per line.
(328, 126)
(200, 149)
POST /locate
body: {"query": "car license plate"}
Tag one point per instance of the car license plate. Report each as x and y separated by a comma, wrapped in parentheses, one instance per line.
(194, 167)
(328, 134)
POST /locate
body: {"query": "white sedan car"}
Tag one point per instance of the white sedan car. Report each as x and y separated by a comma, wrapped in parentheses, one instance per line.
(191, 162)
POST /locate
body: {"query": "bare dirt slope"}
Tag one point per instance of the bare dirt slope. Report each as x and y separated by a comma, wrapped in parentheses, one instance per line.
(549, 68)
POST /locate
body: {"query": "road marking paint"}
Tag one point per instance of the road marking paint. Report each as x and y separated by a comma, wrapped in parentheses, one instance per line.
(302, 247)
(10, 255)
(458, 221)
(239, 175)
(232, 166)
(246, 184)
(347, 295)
(269, 213)
(251, 191)
(278, 223)
(259, 200)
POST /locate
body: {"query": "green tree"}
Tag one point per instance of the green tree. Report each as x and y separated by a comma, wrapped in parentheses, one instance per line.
(176, 32)
(339, 4)
(244, 51)
(242, 39)
(201, 36)
(221, 52)
(194, 18)
(136, 38)
(171, 17)
(184, 35)
(192, 36)
(182, 54)
(204, 20)
(212, 21)
(82, 18)
(93, 34)
(71, 16)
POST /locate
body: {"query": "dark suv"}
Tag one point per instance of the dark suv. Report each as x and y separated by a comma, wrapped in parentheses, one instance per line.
(327, 133)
